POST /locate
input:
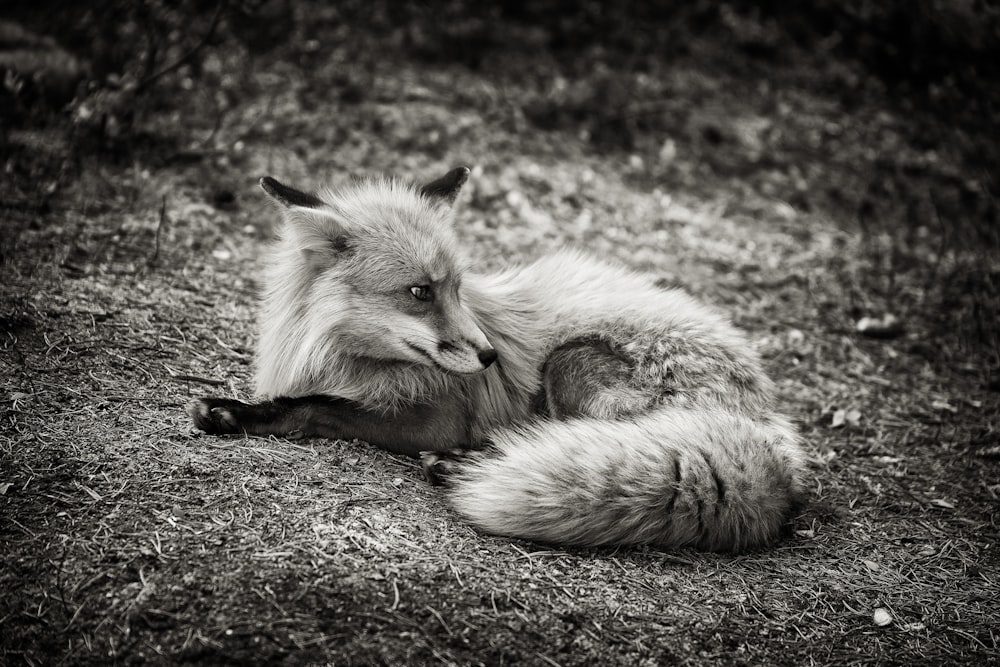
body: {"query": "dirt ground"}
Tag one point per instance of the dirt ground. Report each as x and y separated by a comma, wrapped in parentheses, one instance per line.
(793, 188)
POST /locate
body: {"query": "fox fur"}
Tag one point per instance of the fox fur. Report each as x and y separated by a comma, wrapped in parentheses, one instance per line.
(567, 401)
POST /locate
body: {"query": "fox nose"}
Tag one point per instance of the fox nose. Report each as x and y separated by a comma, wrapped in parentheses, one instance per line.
(487, 357)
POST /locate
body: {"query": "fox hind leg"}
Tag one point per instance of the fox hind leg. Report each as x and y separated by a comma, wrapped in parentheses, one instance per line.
(586, 378)
(583, 378)
(439, 466)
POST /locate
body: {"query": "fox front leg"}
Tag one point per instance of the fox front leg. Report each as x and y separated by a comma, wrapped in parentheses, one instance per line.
(410, 430)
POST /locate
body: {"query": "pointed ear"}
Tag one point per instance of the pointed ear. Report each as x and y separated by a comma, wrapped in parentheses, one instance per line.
(447, 186)
(288, 197)
(317, 230)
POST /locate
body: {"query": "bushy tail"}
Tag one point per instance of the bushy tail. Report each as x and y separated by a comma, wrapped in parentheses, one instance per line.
(673, 478)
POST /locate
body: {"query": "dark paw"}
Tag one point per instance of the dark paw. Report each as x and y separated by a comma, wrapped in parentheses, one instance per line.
(439, 466)
(436, 467)
(216, 416)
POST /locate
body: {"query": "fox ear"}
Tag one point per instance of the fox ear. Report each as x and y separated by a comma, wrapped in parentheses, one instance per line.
(288, 197)
(317, 230)
(447, 186)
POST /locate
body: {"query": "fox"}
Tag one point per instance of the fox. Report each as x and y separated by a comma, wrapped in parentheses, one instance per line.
(567, 401)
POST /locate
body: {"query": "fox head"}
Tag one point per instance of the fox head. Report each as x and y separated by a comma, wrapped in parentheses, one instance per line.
(382, 277)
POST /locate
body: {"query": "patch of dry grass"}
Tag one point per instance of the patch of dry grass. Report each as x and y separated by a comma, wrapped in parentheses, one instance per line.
(126, 538)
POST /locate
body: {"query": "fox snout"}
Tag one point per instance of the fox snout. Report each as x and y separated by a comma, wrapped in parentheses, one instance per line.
(464, 357)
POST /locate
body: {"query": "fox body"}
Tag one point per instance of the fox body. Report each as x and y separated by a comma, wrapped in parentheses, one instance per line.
(567, 401)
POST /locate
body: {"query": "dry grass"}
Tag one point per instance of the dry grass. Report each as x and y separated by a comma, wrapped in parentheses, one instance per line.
(126, 538)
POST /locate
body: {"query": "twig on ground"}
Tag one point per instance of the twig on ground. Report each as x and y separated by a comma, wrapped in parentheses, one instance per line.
(159, 231)
(195, 378)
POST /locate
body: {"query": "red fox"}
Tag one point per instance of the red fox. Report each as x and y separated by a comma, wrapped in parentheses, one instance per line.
(567, 401)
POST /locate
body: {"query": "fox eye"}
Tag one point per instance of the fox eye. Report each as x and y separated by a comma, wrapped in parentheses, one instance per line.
(421, 292)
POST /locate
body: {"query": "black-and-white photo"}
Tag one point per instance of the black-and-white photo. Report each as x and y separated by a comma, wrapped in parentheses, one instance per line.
(557, 333)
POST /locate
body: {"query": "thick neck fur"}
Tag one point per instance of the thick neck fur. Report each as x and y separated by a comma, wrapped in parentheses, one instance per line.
(300, 356)
(514, 323)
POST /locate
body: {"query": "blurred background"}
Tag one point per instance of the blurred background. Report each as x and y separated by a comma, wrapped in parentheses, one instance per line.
(879, 118)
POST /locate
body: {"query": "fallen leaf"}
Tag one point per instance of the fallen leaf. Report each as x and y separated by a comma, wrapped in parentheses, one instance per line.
(887, 326)
(668, 152)
(871, 565)
(784, 210)
(989, 452)
(842, 417)
(941, 502)
(4, 487)
(795, 338)
(882, 617)
(944, 405)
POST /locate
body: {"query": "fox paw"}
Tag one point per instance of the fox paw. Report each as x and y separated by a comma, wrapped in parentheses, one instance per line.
(439, 466)
(216, 416)
(436, 467)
